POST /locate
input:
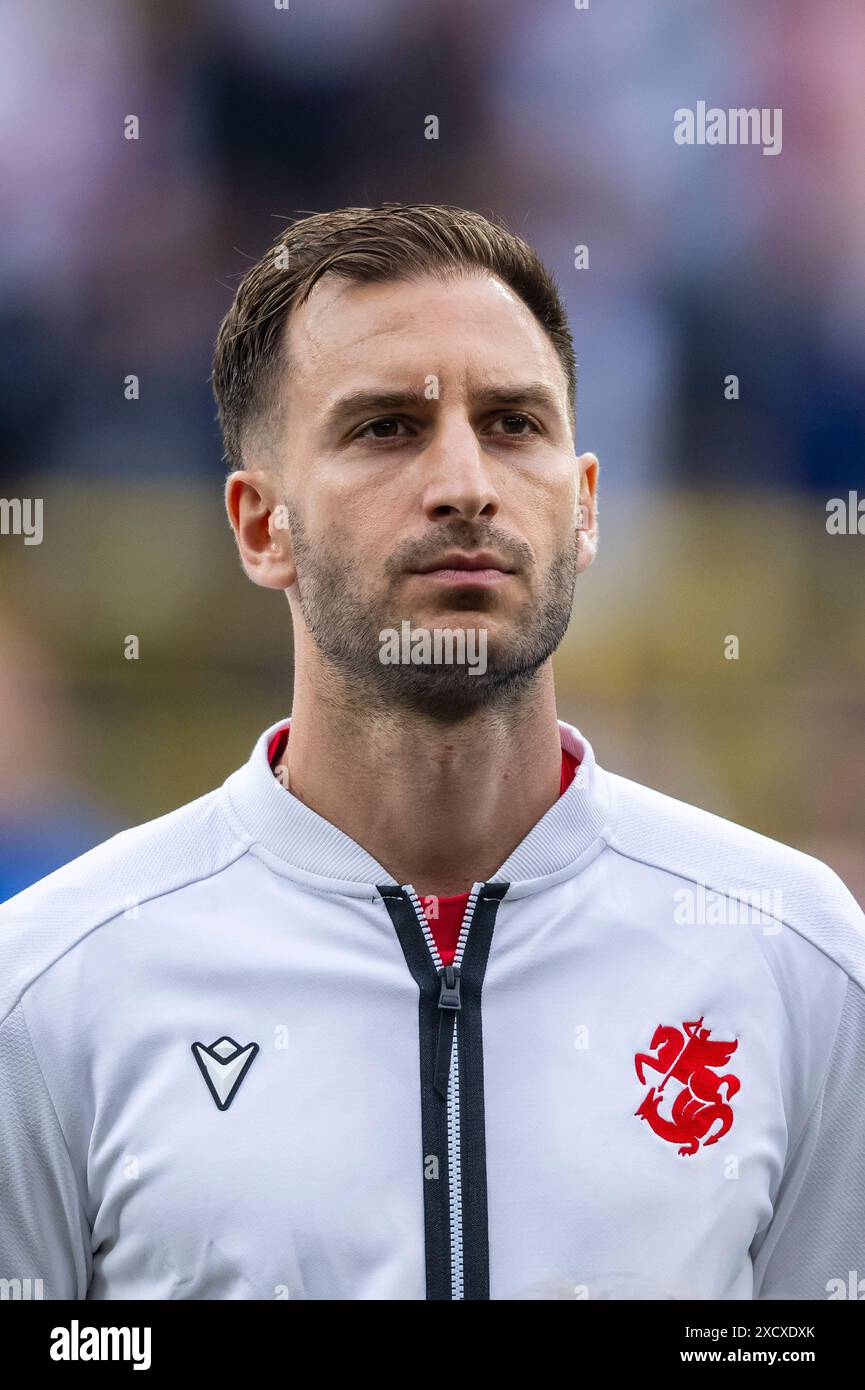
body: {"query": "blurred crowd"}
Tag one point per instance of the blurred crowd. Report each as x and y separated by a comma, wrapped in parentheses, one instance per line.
(120, 256)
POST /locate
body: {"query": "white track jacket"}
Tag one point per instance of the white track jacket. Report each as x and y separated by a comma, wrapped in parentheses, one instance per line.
(232, 1067)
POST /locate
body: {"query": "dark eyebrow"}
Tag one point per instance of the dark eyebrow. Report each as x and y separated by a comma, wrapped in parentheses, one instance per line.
(373, 403)
(380, 402)
(519, 393)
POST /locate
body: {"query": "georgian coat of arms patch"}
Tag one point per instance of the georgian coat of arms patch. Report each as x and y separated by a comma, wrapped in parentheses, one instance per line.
(701, 1113)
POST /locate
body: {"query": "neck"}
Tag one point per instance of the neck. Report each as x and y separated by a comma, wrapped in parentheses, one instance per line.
(439, 806)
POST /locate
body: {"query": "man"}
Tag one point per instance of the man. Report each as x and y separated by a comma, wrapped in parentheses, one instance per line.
(422, 1003)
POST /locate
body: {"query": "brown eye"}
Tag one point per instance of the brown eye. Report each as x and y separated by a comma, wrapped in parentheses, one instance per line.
(517, 424)
(386, 428)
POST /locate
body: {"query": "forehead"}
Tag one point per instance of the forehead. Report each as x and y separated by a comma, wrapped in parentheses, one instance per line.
(463, 328)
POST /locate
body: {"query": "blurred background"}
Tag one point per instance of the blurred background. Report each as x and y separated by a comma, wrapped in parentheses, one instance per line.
(121, 257)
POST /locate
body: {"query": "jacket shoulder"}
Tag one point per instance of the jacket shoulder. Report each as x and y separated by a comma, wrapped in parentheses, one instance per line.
(45, 921)
(727, 859)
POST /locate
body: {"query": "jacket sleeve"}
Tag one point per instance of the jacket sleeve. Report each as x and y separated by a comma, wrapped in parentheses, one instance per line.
(44, 1233)
(814, 1246)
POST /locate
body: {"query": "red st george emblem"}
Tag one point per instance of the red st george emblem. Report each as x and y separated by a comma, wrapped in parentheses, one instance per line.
(701, 1112)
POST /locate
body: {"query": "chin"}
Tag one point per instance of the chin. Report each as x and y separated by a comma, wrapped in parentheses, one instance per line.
(451, 694)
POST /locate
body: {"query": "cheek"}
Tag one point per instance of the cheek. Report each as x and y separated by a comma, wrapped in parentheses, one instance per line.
(548, 512)
(352, 538)
(348, 506)
(552, 482)
(568, 490)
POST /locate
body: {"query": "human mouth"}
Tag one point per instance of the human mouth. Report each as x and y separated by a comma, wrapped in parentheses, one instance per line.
(481, 569)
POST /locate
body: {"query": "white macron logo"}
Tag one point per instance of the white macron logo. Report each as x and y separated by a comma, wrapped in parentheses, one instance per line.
(223, 1065)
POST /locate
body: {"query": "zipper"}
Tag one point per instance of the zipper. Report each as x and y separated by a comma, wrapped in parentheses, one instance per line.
(450, 1038)
(446, 1073)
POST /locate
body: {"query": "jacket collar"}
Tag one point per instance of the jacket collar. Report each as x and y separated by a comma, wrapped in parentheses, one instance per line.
(298, 842)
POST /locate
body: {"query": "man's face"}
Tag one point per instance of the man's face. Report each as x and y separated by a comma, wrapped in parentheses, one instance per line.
(424, 426)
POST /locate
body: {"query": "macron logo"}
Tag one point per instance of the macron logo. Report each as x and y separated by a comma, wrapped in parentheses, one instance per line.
(223, 1065)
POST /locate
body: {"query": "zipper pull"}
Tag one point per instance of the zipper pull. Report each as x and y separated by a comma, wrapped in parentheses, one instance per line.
(449, 998)
(449, 1003)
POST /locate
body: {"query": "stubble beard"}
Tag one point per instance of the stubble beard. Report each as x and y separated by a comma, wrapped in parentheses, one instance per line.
(346, 624)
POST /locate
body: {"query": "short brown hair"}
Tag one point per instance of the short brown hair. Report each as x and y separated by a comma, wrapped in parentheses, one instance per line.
(392, 241)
